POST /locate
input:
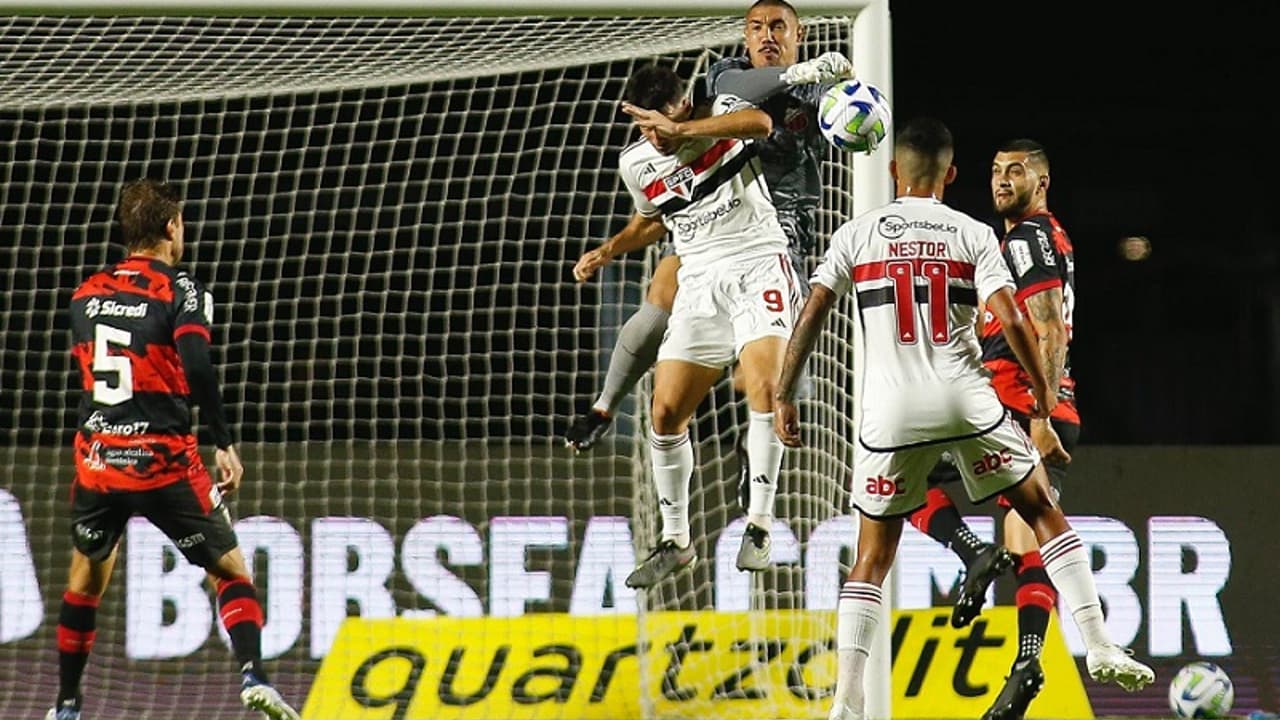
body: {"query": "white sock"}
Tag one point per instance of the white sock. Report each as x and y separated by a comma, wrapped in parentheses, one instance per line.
(764, 459)
(1068, 565)
(672, 460)
(858, 618)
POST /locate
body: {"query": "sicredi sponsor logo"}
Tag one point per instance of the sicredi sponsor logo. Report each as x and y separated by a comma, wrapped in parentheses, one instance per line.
(96, 307)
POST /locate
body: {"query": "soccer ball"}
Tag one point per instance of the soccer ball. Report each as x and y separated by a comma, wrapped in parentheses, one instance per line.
(1201, 690)
(854, 116)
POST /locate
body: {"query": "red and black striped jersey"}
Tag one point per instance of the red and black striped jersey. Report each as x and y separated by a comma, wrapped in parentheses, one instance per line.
(135, 426)
(1038, 252)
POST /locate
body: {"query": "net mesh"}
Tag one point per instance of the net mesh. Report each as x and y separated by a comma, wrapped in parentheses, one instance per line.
(386, 211)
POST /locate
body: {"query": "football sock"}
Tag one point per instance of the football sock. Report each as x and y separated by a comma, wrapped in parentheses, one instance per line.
(633, 354)
(672, 459)
(1068, 567)
(940, 520)
(858, 615)
(1035, 600)
(77, 628)
(764, 458)
(241, 615)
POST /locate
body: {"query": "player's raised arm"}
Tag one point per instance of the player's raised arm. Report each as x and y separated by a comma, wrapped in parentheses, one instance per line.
(1022, 340)
(813, 316)
(640, 231)
(739, 120)
(755, 85)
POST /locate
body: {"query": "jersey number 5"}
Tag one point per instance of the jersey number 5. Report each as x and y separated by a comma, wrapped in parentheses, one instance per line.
(104, 391)
(904, 300)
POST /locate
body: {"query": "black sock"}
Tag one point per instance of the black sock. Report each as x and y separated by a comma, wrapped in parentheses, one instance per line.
(242, 617)
(1035, 600)
(940, 520)
(77, 629)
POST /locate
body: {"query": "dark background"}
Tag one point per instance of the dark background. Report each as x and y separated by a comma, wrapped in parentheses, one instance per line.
(1158, 123)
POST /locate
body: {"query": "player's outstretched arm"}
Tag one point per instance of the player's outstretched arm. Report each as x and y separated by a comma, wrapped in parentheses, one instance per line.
(1022, 340)
(640, 232)
(749, 122)
(813, 316)
(755, 85)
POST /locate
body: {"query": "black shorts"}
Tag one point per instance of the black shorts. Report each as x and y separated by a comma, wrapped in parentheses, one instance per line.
(193, 517)
(945, 472)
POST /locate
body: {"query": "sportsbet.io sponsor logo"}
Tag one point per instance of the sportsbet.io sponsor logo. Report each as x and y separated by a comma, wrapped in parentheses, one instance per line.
(110, 308)
(893, 226)
(689, 224)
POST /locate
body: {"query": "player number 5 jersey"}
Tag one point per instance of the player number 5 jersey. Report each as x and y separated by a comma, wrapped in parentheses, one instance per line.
(919, 270)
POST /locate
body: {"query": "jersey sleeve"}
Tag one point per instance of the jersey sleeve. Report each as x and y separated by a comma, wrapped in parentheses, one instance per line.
(726, 103)
(990, 271)
(836, 269)
(1030, 255)
(644, 206)
(722, 70)
(193, 312)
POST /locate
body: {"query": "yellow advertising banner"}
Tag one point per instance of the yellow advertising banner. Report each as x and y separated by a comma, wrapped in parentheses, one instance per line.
(765, 664)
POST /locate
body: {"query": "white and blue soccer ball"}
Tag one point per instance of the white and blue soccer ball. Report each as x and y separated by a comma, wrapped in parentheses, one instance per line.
(855, 116)
(1201, 690)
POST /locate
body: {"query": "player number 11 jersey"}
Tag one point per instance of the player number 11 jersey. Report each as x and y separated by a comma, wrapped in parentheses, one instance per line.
(919, 271)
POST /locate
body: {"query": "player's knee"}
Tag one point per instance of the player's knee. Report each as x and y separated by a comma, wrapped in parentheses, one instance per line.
(666, 418)
(759, 389)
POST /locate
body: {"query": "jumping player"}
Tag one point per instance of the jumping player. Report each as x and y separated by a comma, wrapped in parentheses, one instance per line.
(736, 300)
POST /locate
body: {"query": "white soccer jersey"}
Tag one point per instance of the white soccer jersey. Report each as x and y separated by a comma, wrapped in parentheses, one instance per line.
(711, 195)
(919, 270)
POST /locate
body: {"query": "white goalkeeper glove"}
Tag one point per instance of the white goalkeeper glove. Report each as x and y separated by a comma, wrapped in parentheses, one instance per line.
(827, 67)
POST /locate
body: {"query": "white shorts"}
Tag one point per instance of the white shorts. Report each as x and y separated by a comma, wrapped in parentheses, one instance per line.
(720, 309)
(894, 483)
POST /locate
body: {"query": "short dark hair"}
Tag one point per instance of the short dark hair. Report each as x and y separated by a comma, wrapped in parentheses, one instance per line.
(775, 3)
(144, 211)
(653, 87)
(931, 143)
(1030, 147)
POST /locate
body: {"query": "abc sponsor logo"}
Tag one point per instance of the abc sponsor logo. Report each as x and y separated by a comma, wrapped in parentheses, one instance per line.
(993, 461)
(885, 487)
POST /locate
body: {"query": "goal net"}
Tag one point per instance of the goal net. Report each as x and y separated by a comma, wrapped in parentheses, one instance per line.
(386, 211)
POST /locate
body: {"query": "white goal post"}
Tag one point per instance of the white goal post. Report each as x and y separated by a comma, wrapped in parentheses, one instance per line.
(396, 331)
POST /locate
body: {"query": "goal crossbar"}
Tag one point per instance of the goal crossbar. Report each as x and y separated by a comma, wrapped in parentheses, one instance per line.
(406, 8)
